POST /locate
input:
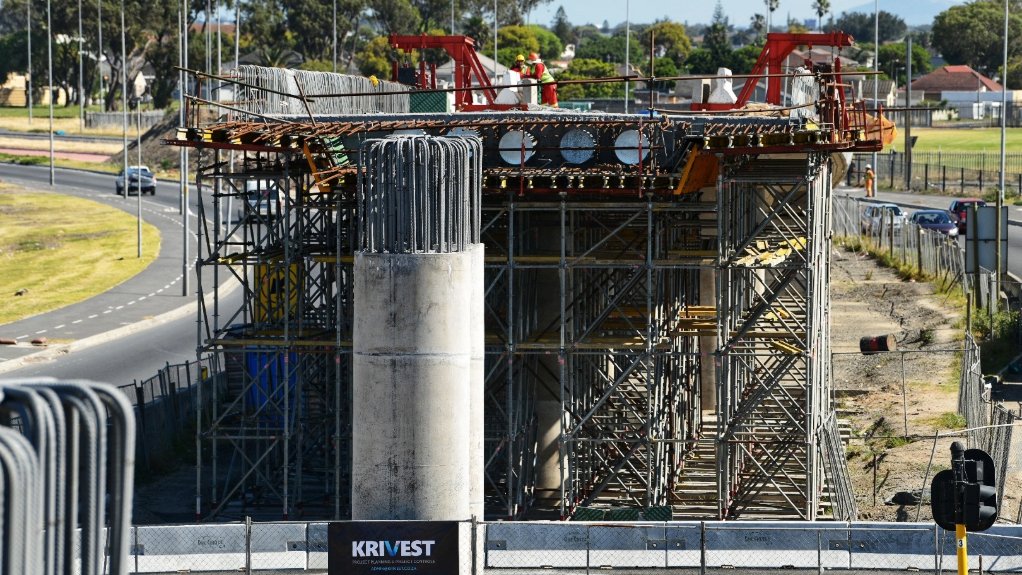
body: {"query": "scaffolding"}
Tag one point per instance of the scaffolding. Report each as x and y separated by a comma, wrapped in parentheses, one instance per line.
(773, 336)
(605, 235)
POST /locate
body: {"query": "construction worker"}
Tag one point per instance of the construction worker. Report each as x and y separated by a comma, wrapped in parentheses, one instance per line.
(539, 72)
(520, 66)
(870, 178)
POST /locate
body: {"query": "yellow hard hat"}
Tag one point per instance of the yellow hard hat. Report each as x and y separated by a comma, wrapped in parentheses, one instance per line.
(520, 58)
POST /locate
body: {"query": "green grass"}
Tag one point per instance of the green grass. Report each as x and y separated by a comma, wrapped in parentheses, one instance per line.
(964, 139)
(42, 113)
(63, 250)
(948, 420)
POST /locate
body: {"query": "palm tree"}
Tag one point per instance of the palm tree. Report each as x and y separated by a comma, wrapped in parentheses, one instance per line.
(821, 7)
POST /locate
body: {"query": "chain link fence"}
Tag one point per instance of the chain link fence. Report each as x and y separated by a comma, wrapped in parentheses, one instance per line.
(516, 548)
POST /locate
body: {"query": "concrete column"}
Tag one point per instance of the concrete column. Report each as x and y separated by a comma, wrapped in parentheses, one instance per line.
(477, 380)
(411, 417)
(707, 344)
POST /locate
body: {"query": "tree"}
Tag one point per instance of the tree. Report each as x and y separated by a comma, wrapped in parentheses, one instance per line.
(715, 39)
(743, 59)
(757, 22)
(562, 27)
(821, 7)
(584, 69)
(861, 25)
(700, 61)
(892, 57)
(396, 16)
(606, 49)
(664, 68)
(374, 59)
(670, 41)
(796, 27)
(972, 34)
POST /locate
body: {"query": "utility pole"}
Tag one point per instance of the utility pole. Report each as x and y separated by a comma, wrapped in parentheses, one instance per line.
(49, 79)
(908, 116)
(1004, 124)
(28, 81)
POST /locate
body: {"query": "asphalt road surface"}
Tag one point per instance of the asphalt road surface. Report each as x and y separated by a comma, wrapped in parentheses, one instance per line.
(130, 331)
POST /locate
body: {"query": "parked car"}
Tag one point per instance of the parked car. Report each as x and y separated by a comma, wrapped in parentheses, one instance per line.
(877, 216)
(960, 210)
(937, 220)
(262, 198)
(139, 177)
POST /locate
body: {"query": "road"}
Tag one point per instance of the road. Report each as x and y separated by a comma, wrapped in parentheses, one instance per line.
(130, 331)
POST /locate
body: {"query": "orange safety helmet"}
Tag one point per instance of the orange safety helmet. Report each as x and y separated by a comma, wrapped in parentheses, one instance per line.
(533, 57)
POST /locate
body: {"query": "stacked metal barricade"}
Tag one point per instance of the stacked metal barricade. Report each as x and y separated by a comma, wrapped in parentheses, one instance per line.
(67, 453)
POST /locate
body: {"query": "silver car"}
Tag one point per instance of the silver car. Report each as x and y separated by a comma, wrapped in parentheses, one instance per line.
(139, 178)
(877, 216)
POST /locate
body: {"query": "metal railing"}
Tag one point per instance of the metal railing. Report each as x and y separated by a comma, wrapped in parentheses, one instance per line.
(165, 408)
(953, 173)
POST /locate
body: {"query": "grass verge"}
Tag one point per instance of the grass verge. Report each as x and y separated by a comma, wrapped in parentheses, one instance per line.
(58, 250)
(964, 140)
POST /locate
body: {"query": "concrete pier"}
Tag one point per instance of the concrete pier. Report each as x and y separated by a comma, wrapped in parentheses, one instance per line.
(417, 391)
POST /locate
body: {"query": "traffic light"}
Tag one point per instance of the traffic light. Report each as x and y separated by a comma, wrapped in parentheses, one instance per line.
(965, 494)
(980, 493)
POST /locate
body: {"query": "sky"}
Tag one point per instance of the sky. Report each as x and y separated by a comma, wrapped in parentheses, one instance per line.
(738, 11)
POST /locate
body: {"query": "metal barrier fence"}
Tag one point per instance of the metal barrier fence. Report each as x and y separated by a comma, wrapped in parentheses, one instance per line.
(165, 407)
(569, 547)
(951, 173)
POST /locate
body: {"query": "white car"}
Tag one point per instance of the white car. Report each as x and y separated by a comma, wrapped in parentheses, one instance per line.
(878, 216)
(262, 198)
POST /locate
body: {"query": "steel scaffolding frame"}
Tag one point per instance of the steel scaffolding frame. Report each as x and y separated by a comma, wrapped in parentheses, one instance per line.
(599, 286)
(773, 325)
(593, 301)
(268, 445)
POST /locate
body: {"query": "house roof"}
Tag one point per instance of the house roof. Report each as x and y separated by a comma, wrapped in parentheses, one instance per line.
(884, 87)
(958, 78)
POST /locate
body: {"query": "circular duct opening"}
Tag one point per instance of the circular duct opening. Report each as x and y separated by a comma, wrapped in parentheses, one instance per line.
(516, 147)
(577, 146)
(627, 146)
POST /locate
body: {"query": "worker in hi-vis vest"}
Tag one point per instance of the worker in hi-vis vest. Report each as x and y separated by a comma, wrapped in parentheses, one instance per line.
(520, 67)
(870, 178)
(539, 72)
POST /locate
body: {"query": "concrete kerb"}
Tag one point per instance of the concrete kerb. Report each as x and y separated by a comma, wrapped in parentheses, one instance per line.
(53, 351)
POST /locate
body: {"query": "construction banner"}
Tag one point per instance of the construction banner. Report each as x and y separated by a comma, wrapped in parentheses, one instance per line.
(372, 547)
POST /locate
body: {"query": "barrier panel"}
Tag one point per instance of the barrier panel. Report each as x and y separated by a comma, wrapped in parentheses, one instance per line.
(578, 547)
(537, 545)
(627, 545)
(174, 548)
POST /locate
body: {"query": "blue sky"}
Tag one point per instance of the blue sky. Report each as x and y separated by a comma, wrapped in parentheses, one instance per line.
(739, 11)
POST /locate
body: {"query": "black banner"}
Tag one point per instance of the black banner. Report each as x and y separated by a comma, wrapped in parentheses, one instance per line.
(375, 547)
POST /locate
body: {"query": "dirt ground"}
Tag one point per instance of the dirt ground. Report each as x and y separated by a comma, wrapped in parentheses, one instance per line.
(892, 404)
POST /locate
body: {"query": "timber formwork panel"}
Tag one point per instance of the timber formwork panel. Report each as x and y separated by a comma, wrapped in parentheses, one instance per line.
(773, 385)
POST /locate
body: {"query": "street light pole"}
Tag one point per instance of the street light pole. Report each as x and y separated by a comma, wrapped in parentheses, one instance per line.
(1004, 124)
(335, 36)
(99, 57)
(876, 82)
(495, 41)
(49, 79)
(81, 70)
(28, 81)
(138, 147)
(124, 98)
(628, 42)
